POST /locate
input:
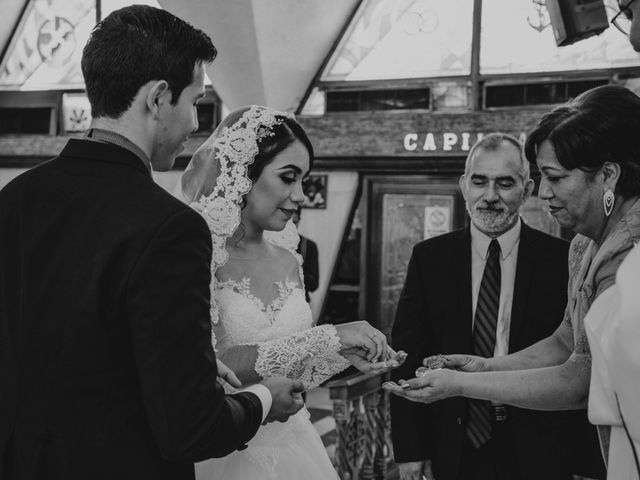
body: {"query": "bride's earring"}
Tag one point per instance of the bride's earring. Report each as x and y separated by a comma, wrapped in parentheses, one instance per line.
(608, 199)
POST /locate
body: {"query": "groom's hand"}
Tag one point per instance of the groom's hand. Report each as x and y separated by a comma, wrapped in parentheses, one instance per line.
(286, 398)
(416, 471)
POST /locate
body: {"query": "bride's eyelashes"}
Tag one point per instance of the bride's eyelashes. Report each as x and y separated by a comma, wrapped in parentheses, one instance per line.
(289, 179)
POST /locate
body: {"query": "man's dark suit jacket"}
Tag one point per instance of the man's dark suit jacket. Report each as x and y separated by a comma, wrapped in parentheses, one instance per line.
(106, 364)
(434, 316)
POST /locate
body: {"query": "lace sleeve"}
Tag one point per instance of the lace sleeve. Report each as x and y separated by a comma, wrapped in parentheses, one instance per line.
(311, 356)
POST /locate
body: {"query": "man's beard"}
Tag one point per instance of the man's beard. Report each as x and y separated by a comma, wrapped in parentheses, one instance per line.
(491, 217)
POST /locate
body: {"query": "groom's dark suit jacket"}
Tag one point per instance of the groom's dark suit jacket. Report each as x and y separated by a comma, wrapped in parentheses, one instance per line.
(106, 364)
(434, 316)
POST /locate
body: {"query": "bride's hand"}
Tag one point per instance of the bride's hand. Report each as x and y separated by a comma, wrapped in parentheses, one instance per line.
(358, 358)
(362, 335)
(228, 375)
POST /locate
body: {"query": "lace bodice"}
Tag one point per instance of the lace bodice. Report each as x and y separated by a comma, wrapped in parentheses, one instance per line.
(248, 320)
(287, 345)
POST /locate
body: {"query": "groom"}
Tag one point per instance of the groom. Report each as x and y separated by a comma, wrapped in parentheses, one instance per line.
(106, 364)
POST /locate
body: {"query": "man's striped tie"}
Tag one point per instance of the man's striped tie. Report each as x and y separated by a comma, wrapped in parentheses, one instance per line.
(484, 341)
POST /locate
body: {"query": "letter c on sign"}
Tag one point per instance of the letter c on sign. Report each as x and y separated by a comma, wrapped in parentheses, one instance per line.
(410, 140)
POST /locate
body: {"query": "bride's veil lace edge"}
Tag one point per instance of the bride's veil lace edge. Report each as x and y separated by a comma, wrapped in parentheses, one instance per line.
(216, 179)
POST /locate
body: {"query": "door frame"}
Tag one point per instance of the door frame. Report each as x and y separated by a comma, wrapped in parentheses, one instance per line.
(374, 188)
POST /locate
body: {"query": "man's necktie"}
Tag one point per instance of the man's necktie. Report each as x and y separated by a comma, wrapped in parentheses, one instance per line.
(484, 341)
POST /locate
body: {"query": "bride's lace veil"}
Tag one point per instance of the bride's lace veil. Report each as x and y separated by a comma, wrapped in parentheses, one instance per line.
(216, 180)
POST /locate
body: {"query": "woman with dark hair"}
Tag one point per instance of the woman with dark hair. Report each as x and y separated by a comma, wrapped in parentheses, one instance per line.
(246, 181)
(588, 154)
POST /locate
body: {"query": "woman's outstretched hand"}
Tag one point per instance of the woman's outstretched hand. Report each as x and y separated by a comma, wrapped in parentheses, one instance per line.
(431, 387)
(357, 357)
(439, 378)
(363, 336)
(465, 363)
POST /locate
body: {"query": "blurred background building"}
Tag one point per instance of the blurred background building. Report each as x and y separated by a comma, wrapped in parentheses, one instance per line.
(392, 92)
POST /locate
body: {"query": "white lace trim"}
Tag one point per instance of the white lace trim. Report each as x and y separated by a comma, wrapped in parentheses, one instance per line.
(311, 356)
(235, 148)
(285, 288)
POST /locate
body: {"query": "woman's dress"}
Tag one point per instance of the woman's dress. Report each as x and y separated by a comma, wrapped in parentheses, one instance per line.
(287, 346)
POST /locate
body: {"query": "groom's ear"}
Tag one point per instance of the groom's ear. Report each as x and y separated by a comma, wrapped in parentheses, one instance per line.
(158, 95)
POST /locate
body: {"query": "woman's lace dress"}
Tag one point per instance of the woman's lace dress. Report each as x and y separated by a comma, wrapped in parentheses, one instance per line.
(287, 346)
(214, 184)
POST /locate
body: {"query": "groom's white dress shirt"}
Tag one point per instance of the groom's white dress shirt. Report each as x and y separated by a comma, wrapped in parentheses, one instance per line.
(264, 395)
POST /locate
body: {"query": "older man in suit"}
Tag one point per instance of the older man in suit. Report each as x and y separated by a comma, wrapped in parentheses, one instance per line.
(492, 288)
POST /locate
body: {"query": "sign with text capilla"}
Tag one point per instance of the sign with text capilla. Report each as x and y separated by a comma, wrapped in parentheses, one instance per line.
(447, 142)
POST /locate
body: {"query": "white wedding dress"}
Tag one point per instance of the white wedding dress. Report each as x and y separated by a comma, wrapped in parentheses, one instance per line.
(288, 346)
(264, 337)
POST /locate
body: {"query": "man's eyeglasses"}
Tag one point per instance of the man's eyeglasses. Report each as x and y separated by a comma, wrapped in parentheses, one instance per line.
(622, 19)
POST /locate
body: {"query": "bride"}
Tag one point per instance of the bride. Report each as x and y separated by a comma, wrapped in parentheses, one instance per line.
(246, 181)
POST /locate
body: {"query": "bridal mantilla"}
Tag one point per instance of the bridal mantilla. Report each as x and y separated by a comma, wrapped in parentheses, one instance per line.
(246, 181)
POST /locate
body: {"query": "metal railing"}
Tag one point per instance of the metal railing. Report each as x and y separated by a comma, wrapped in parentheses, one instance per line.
(363, 427)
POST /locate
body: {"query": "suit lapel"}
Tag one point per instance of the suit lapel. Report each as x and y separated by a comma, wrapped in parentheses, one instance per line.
(463, 321)
(524, 268)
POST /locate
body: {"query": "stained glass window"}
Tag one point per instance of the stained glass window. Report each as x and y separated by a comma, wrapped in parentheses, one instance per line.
(46, 49)
(516, 37)
(45, 52)
(399, 39)
(405, 39)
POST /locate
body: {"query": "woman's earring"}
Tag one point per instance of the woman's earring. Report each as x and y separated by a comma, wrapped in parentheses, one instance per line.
(608, 199)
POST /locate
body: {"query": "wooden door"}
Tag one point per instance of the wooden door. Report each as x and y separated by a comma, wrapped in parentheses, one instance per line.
(401, 211)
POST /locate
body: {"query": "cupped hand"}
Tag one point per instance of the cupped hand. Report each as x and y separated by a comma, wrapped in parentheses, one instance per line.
(410, 470)
(358, 358)
(362, 335)
(228, 375)
(466, 363)
(416, 471)
(431, 387)
(286, 398)
(427, 471)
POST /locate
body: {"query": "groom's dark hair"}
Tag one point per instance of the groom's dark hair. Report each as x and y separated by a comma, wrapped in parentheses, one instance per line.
(135, 45)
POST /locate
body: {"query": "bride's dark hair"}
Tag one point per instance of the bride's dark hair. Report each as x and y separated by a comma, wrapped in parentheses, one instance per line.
(283, 135)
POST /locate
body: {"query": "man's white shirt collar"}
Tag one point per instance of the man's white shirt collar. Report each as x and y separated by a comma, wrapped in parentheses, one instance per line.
(508, 240)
